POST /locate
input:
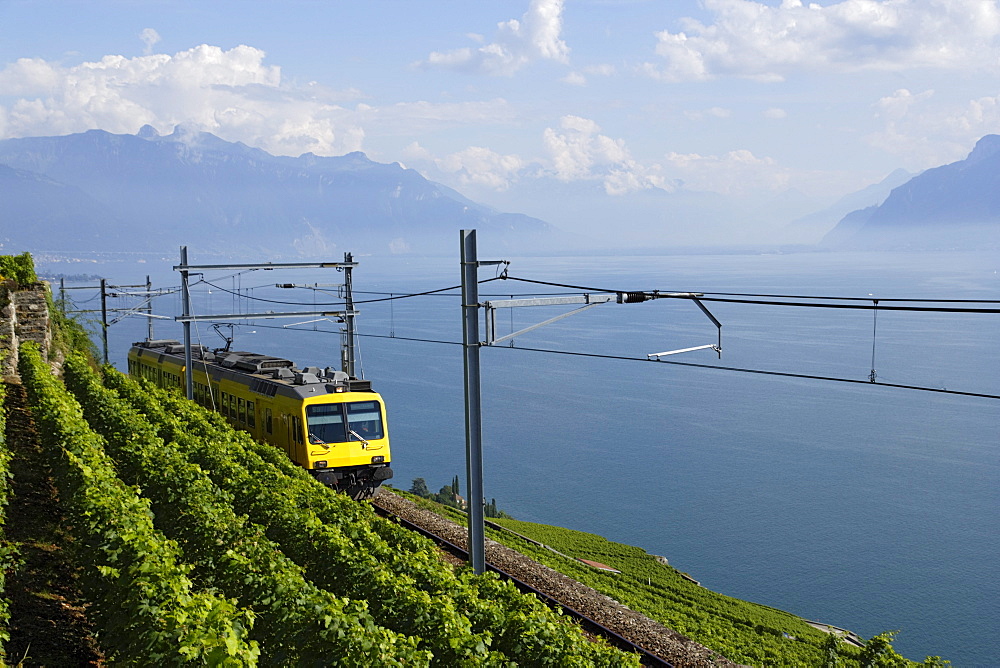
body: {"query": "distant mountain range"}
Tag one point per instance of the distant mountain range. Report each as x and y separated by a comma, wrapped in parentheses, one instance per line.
(100, 191)
(953, 206)
(146, 192)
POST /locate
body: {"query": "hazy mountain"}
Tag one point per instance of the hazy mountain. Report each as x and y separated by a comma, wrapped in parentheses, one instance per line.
(953, 206)
(811, 228)
(148, 192)
(33, 207)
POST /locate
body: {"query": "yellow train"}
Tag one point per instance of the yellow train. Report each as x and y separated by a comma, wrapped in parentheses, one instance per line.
(329, 424)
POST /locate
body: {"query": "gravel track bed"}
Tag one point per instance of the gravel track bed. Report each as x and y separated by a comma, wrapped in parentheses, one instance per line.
(638, 629)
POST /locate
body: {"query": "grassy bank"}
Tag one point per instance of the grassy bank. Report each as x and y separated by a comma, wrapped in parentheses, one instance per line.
(744, 632)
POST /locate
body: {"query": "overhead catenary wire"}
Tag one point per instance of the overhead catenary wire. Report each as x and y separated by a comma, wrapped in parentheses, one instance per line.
(392, 297)
(816, 301)
(662, 294)
(696, 365)
(766, 299)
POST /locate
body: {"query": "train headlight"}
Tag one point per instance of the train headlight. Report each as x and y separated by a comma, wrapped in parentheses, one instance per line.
(321, 464)
(378, 460)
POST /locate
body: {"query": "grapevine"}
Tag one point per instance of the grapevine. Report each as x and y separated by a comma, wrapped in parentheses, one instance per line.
(296, 621)
(146, 606)
(397, 572)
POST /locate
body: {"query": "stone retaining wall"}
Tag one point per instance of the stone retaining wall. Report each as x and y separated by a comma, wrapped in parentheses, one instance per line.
(24, 317)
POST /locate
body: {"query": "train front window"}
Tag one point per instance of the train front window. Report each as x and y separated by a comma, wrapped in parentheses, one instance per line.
(326, 423)
(365, 420)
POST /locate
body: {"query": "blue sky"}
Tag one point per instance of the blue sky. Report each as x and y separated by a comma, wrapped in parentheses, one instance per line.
(506, 100)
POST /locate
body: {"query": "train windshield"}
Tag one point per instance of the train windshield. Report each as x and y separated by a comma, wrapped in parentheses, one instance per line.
(339, 423)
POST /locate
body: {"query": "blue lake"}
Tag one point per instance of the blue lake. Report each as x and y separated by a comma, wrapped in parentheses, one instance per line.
(862, 506)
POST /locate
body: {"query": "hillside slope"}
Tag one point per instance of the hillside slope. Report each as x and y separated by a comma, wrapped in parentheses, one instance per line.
(952, 206)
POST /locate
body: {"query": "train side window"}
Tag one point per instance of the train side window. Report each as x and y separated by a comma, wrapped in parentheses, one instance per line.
(225, 404)
(297, 428)
(268, 423)
(242, 408)
(251, 418)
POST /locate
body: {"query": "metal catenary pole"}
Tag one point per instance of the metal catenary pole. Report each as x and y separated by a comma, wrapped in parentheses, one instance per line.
(348, 362)
(473, 401)
(149, 309)
(187, 317)
(186, 307)
(104, 317)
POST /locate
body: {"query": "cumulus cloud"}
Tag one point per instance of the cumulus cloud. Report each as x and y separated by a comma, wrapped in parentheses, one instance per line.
(149, 37)
(760, 41)
(231, 93)
(481, 166)
(577, 151)
(516, 44)
(925, 131)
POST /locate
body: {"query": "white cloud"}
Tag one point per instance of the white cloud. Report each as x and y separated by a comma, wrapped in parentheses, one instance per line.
(575, 79)
(738, 173)
(481, 166)
(516, 44)
(756, 40)
(230, 93)
(924, 131)
(775, 113)
(577, 151)
(150, 38)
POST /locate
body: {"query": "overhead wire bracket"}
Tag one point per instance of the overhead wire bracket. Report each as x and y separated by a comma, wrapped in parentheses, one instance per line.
(634, 297)
(491, 307)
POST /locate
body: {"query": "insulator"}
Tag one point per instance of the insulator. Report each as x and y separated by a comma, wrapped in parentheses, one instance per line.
(635, 297)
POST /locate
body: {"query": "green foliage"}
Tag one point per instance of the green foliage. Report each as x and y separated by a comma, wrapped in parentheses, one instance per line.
(142, 598)
(743, 632)
(419, 488)
(6, 551)
(69, 335)
(297, 623)
(463, 619)
(490, 510)
(878, 653)
(20, 269)
(447, 497)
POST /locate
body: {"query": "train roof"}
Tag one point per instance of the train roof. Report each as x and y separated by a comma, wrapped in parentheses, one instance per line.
(265, 374)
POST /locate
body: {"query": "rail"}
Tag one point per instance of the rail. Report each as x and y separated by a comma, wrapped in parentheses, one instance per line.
(589, 625)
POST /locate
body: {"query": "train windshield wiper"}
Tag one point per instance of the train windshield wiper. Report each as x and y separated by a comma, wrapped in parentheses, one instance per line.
(364, 443)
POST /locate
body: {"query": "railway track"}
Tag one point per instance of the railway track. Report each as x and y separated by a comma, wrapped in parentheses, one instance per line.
(596, 614)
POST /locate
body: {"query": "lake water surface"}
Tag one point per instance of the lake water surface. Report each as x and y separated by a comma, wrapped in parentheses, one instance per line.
(862, 506)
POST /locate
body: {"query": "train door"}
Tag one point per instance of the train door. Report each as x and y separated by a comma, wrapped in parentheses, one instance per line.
(289, 436)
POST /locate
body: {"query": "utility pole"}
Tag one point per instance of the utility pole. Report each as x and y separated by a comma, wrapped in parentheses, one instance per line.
(187, 316)
(186, 301)
(347, 363)
(149, 309)
(473, 401)
(104, 316)
(473, 397)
